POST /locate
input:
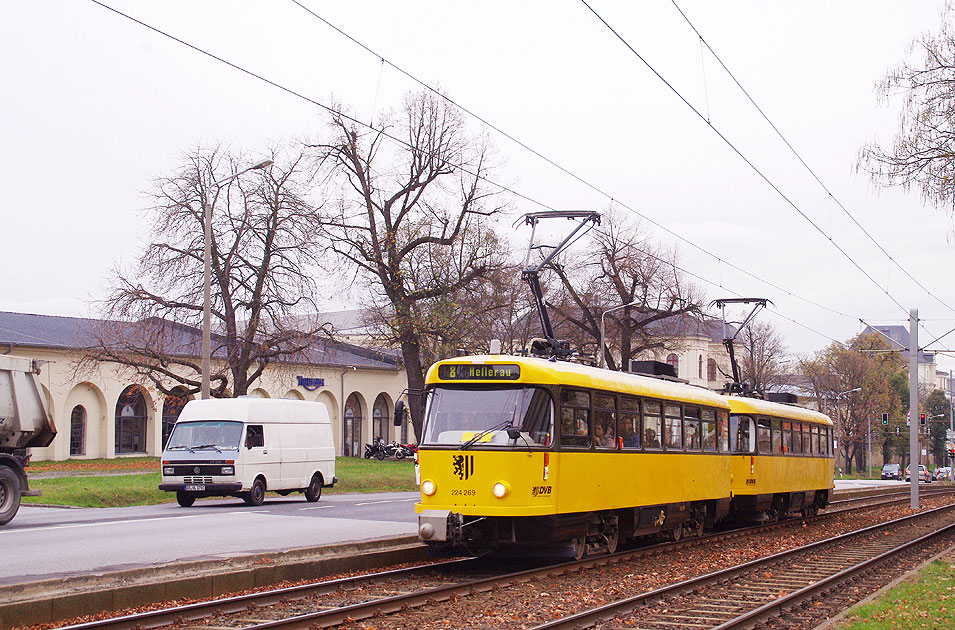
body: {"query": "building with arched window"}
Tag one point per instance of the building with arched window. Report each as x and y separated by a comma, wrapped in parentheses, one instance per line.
(111, 411)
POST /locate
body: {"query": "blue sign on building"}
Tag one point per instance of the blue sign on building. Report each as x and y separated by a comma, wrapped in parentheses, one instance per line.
(311, 384)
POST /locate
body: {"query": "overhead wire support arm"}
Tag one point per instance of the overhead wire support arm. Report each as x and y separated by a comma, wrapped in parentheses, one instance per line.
(760, 303)
(531, 273)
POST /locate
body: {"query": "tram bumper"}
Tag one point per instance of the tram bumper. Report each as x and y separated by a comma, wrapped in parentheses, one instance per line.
(439, 525)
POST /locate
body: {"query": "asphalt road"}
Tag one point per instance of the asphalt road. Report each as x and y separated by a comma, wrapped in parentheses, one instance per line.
(42, 543)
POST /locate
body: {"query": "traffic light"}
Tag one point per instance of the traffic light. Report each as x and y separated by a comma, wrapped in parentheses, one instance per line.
(885, 418)
(921, 418)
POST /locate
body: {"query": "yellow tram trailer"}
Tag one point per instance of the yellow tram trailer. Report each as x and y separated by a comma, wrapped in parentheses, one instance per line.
(652, 489)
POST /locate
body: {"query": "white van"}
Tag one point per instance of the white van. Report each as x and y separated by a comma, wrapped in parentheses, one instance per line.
(242, 447)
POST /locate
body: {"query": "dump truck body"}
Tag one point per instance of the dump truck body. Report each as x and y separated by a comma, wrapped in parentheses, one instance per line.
(25, 422)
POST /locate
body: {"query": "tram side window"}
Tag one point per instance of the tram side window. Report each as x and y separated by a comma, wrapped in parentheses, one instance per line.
(806, 443)
(709, 430)
(673, 427)
(797, 438)
(742, 435)
(575, 418)
(814, 439)
(605, 421)
(828, 441)
(777, 437)
(723, 430)
(652, 423)
(787, 437)
(763, 440)
(629, 423)
(691, 428)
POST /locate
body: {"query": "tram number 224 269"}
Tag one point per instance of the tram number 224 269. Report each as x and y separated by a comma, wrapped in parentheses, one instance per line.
(463, 492)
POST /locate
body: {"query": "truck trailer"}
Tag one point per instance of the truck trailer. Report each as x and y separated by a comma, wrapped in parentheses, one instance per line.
(25, 422)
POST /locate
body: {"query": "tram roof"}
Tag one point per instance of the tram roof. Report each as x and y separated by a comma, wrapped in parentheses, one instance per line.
(740, 404)
(544, 371)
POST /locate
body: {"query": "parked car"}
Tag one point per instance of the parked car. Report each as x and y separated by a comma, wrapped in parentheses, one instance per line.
(892, 471)
(942, 473)
(923, 474)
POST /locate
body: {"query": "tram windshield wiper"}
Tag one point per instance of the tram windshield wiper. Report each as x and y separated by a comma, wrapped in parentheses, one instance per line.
(497, 427)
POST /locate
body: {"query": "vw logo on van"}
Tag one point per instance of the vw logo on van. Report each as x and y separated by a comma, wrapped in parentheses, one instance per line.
(196, 470)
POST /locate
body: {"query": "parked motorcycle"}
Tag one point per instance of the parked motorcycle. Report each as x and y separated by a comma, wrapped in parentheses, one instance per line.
(405, 450)
(377, 449)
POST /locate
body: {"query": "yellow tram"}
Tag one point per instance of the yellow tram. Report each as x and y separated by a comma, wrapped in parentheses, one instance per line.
(535, 453)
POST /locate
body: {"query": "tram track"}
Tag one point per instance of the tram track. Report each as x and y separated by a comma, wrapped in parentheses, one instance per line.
(334, 602)
(754, 592)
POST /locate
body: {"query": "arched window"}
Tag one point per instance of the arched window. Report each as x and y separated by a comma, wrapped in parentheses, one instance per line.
(674, 360)
(78, 431)
(171, 408)
(711, 370)
(351, 427)
(131, 421)
(700, 368)
(379, 427)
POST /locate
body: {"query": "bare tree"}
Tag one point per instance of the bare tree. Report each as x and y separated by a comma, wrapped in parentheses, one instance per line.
(263, 257)
(413, 218)
(853, 386)
(762, 356)
(622, 266)
(922, 154)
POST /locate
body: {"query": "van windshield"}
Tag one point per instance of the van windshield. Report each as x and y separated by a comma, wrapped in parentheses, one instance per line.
(480, 416)
(218, 435)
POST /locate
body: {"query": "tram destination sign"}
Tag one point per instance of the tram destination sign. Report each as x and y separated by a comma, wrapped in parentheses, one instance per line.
(479, 372)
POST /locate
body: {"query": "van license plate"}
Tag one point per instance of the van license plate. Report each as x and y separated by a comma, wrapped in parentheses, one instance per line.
(198, 488)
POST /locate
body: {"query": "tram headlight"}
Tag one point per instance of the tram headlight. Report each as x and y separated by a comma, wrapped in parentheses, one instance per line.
(500, 489)
(428, 487)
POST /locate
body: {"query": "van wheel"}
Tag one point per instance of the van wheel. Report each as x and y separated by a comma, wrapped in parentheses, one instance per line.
(9, 494)
(185, 499)
(255, 496)
(314, 490)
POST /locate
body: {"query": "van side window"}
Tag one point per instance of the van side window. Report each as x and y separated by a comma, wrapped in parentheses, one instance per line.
(254, 436)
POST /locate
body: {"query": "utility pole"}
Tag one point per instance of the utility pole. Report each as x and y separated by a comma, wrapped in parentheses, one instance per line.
(868, 461)
(914, 457)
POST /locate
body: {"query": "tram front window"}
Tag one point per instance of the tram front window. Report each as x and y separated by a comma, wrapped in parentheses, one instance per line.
(482, 416)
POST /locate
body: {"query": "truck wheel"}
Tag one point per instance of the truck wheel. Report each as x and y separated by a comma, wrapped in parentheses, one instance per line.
(314, 490)
(9, 495)
(185, 499)
(255, 496)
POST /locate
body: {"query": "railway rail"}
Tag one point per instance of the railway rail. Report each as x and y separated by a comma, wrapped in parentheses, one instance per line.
(745, 595)
(333, 602)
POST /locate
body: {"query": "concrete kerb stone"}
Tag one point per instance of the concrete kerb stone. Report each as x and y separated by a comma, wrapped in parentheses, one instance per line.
(78, 595)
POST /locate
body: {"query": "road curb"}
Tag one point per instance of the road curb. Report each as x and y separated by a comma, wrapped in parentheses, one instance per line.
(56, 599)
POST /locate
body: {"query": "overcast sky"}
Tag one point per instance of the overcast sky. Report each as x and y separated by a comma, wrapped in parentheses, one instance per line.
(96, 107)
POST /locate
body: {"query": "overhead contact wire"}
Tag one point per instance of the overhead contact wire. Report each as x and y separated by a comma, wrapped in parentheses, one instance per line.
(744, 158)
(562, 169)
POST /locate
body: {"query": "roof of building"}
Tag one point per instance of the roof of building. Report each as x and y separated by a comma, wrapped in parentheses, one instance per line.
(900, 335)
(73, 333)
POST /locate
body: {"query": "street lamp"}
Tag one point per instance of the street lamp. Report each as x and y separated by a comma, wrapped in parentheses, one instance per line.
(600, 363)
(207, 279)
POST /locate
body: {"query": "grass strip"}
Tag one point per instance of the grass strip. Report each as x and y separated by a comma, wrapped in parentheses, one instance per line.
(925, 602)
(124, 490)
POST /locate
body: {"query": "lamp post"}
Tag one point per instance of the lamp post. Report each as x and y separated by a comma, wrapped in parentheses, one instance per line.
(600, 363)
(207, 276)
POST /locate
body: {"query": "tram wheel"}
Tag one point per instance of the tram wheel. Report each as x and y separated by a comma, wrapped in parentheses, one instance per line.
(579, 546)
(677, 533)
(613, 539)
